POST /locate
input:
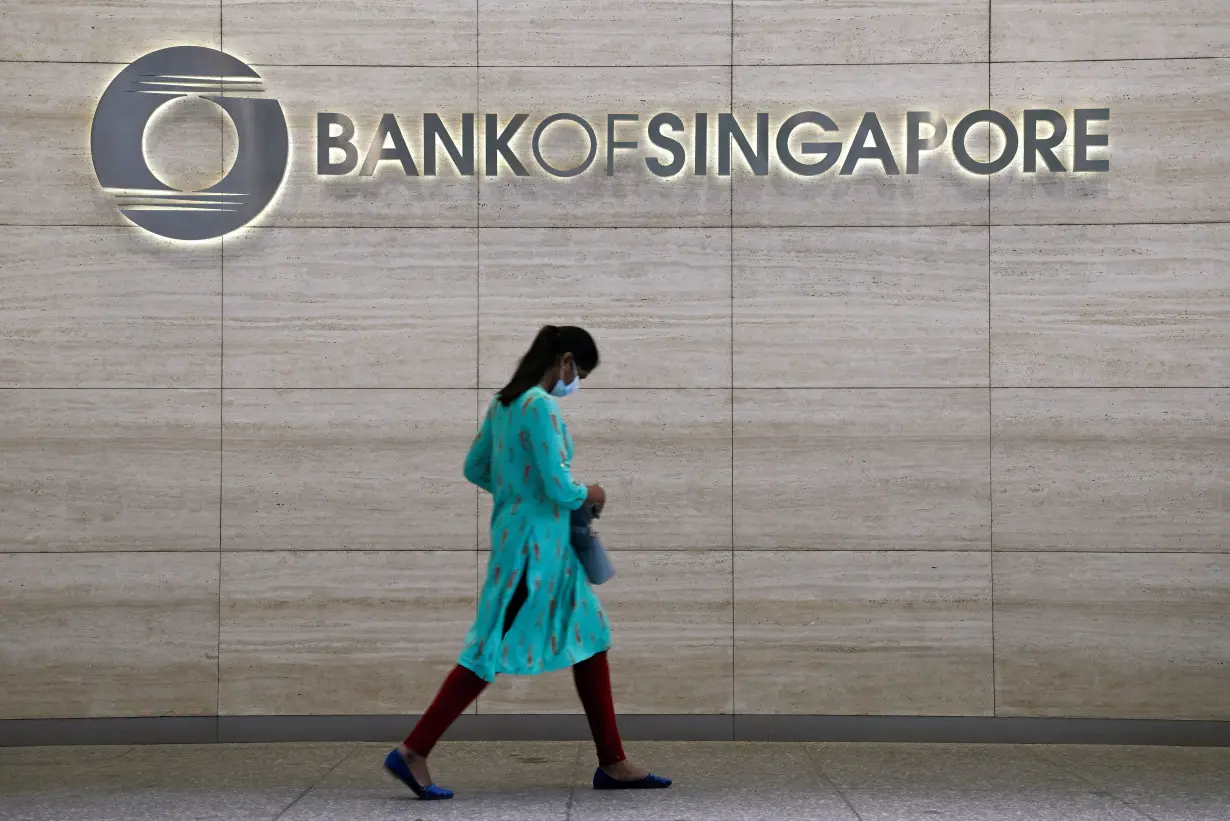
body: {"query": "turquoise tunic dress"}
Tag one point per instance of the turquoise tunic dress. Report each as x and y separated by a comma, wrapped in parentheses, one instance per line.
(522, 456)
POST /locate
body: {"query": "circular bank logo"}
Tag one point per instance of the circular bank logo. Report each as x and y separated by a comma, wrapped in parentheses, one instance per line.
(117, 143)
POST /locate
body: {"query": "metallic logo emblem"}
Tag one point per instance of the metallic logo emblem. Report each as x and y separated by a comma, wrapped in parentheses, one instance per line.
(117, 143)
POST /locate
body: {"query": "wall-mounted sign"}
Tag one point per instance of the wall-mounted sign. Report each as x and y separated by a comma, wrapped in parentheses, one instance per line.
(803, 144)
(757, 146)
(117, 143)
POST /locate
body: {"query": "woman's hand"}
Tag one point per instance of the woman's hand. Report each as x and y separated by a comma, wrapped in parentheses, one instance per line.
(596, 496)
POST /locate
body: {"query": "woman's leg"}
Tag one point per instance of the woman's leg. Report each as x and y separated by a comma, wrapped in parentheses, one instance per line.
(456, 694)
(519, 597)
(593, 680)
(616, 772)
(408, 763)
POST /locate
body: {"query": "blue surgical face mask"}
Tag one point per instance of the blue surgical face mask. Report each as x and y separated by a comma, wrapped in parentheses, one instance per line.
(561, 389)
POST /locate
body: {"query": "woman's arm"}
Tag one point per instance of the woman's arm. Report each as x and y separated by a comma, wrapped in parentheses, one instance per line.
(478, 460)
(542, 435)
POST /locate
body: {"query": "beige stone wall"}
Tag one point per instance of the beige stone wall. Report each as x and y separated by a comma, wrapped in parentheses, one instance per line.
(899, 446)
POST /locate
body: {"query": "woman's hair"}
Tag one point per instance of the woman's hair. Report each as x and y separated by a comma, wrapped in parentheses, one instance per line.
(550, 344)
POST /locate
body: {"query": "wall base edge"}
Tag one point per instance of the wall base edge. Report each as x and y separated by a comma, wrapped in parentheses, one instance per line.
(391, 728)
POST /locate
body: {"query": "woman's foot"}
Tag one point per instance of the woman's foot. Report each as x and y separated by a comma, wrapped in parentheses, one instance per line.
(410, 768)
(417, 764)
(626, 771)
(625, 775)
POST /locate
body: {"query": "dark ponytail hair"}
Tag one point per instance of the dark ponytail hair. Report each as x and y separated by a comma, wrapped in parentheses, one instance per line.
(550, 344)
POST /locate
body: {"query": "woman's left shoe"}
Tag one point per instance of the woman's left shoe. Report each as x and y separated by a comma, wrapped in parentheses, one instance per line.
(396, 766)
(602, 781)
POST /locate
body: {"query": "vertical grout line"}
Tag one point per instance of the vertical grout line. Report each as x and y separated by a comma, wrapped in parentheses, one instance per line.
(733, 709)
(990, 391)
(478, 301)
(221, 398)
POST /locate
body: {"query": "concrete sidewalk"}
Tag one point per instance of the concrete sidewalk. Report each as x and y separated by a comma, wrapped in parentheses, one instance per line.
(550, 780)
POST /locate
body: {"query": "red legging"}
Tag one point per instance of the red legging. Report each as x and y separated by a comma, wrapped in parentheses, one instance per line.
(593, 680)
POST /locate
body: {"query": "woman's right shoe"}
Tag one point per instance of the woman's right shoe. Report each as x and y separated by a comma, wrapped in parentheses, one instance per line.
(399, 769)
(602, 781)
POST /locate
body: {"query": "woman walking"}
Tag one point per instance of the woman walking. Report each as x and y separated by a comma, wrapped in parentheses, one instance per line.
(537, 611)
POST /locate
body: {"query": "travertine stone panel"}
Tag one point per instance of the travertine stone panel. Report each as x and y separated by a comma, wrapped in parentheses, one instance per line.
(352, 308)
(46, 110)
(1111, 470)
(346, 470)
(374, 32)
(604, 32)
(1112, 636)
(860, 32)
(663, 458)
(1109, 29)
(1166, 135)
(670, 618)
(876, 633)
(657, 301)
(1111, 306)
(107, 307)
(387, 198)
(116, 31)
(108, 634)
(860, 307)
(341, 633)
(632, 195)
(942, 193)
(861, 469)
(109, 470)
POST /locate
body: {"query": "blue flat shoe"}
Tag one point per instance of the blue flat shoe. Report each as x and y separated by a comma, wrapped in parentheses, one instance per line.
(602, 781)
(397, 767)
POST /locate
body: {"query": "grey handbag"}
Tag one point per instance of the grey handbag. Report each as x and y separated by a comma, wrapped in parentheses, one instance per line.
(593, 556)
